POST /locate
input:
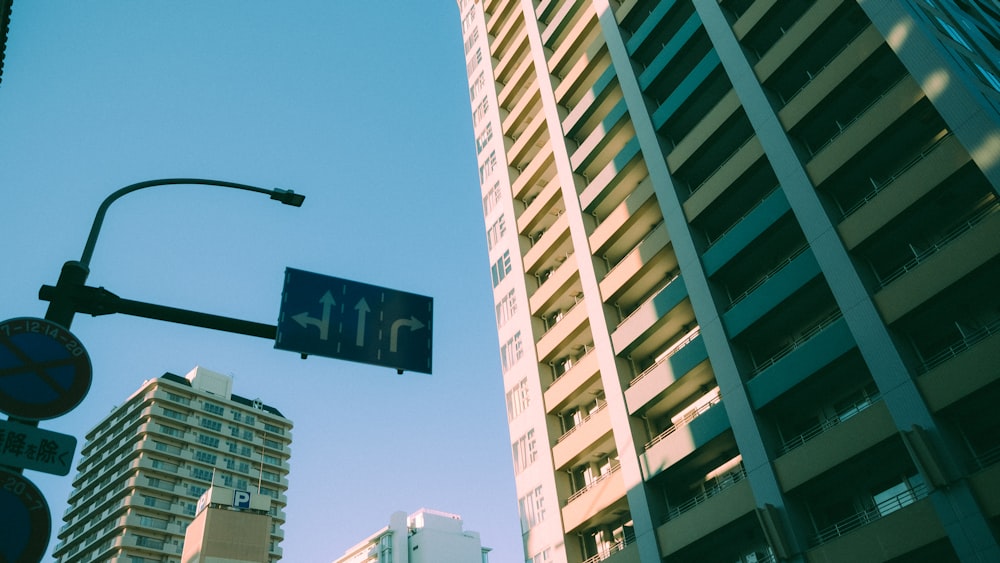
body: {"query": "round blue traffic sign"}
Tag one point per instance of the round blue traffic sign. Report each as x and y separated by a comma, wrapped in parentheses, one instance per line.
(24, 518)
(44, 370)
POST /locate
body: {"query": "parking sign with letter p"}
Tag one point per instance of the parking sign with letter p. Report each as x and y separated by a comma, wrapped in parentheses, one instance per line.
(241, 499)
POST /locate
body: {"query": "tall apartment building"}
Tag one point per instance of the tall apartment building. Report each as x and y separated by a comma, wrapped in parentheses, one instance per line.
(426, 536)
(144, 467)
(745, 258)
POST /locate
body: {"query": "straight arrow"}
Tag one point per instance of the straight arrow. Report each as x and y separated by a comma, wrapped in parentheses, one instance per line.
(363, 309)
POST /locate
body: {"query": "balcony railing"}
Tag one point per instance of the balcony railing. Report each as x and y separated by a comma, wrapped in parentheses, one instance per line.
(799, 341)
(768, 275)
(727, 481)
(587, 350)
(711, 174)
(792, 443)
(964, 343)
(635, 249)
(713, 239)
(878, 186)
(667, 280)
(864, 517)
(684, 421)
(812, 75)
(628, 538)
(669, 353)
(568, 433)
(615, 466)
(946, 239)
(842, 127)
(988, 458)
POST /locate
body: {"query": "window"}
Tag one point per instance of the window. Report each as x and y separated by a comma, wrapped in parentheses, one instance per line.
(244, 467)
(273, 444)
(532, 509)
(171, 431)
(248, 434)
(517, 399)
(208, 441)
(272, 459)
(234, 432)
(251, 419)
(272, 429)
(212, 408)
(178, 399)
(170, 413)
(269, 476)
(510, 352)
(195, 491)
(205, 457)
(501, 268)
(211, 424)
(201, 473)
(506, 308)
(237, 416)
(524, 451)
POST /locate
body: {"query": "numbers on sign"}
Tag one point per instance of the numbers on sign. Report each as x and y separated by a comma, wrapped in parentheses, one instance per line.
(14, 485)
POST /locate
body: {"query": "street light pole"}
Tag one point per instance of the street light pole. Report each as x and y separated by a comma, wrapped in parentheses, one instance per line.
(65, 298)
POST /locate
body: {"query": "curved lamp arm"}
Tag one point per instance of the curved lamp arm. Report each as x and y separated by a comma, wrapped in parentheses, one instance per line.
(287, 197)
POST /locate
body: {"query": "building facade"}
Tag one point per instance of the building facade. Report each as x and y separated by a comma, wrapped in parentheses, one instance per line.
(745, 256)
(144, 467)
(426, 536)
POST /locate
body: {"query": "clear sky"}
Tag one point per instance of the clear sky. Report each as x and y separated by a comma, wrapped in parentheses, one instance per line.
(361, 106)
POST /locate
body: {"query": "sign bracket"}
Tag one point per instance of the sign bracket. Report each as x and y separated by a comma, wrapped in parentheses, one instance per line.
(98, 301)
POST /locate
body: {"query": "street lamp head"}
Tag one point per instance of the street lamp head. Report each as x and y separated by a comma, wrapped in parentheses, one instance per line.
(288, 197)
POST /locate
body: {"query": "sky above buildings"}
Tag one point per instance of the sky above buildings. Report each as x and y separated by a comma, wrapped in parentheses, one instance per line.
(362, 108)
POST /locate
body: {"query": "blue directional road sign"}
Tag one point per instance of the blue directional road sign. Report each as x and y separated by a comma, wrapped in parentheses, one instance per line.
(337, 318)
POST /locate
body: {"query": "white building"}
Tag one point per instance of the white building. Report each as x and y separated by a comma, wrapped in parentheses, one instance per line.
(426, 536)
(146, 464)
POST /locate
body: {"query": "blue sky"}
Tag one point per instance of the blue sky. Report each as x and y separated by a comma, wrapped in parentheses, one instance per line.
(362, 108)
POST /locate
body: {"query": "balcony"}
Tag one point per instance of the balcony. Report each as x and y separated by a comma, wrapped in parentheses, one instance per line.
(856, 134)
(669, 373)
(613, 236)
(962, 368)
(661, 314)
(794, 37)
(583, 374)
(958, 252)
(554, 242)
(571, 331)
(723, 177)
(726, 245)
(774, 287)
(823, 447)
(681, 439)
(704, 514)
(586, 503)
(897, 526)
(609, 187)
(892, 195)
(587, 432)
(807, 354)
(649, 264)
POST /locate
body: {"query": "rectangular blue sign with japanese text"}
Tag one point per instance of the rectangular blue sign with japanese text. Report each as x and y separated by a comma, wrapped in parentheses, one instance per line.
(337, 318)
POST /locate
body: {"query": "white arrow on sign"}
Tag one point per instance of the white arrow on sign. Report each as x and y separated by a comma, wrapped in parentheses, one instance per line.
(363, 309)
(411, 322)
(322, 324)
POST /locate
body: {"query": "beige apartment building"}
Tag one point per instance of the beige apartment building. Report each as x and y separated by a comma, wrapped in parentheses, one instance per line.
(745, 257)
(145, 466)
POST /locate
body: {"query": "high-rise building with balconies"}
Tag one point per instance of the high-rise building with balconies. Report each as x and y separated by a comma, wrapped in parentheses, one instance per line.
(144, 467)
(745, 258)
